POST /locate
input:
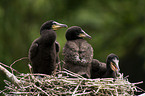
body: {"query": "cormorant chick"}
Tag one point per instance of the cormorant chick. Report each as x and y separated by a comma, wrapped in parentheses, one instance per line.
(43, 52)
(78, 53)
(112, 66)
(98, 69)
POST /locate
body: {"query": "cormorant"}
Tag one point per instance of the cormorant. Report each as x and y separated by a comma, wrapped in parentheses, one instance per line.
(43, 53)
(112, 66)
(98, 69)
(78, 53)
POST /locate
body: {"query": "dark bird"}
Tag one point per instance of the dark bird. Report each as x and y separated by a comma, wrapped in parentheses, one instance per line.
(112, 66)
(98, 69)
(43, 53)
(78, 53)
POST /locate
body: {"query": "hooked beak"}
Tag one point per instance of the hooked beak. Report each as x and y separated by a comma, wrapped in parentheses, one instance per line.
(57, 26)
(84, 34)
(115, 65)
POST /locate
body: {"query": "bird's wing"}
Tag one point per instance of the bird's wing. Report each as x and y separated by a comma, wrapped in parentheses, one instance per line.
(33, 50)
(98, 69)
(98, 66)
(57, 46)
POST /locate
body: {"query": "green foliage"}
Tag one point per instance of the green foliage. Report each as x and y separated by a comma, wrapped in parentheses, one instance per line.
(115, 26)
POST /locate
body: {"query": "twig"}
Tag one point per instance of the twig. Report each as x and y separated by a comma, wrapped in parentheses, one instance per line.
(79, 94)
(10, 68)
(141, 89)
(98, 89)
(59, 66)
(138, 82)
(76, 89)
(73, 73)
(2, 90)
(11, 76)
(30, 68)
(41, 90)
(20, 93)
(17, 61)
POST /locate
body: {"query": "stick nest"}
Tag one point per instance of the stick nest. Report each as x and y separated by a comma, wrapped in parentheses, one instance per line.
(67, 83)
(34, 84)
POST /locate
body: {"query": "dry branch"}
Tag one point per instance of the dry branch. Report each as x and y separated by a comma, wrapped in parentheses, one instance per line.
(65, 83)
(10, 76)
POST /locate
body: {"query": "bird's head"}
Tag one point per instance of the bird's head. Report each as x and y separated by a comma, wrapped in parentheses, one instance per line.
(52, 25)
(113, 62)
(76, 32)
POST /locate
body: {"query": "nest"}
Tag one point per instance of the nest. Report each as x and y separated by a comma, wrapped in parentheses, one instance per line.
(67, 83)
(41, 84)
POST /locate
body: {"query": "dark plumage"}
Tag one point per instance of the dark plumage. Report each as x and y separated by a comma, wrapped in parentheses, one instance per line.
(98, 69)
(112, 66)
(43, 52)
(78, 53)
(57, 46)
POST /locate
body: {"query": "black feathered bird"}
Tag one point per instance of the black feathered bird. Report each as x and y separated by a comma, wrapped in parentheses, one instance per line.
(78, 53)
(98, 69)
(103, 70)
(112, 66)
(43, 52)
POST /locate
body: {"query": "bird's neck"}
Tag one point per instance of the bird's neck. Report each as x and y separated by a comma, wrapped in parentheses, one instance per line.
(109, 68)
(48, 37)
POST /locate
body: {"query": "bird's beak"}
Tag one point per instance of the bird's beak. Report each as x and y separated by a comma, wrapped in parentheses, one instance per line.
(115, 65)
(57, 26)
(84, 34)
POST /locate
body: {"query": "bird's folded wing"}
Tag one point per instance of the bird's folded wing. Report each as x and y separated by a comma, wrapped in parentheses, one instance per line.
(57, 46)
(33, 50)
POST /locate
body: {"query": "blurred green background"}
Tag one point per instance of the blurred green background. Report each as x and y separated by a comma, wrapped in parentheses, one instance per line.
(116, 26)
